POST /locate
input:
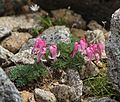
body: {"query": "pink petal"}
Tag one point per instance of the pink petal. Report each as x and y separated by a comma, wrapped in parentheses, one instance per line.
(39, 49)
(39, 44)
(40, 58)
(75, 49)
(89, 53)
(82, 45)
(53, 52)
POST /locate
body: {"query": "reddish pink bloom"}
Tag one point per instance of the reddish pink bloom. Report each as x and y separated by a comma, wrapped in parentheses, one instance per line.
(75, 49)
(39, 49)
(39, 44)
(79, 46)
(90, 53)
(95, 51)
(54, 52)
(82, 45)
(41, 55)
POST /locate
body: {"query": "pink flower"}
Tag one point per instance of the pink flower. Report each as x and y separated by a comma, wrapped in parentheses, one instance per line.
(75, 49)
(90, 53)
(79, 46)
(39, 44)
(41, 54)
(82, 45)
(54, 52)
(94, 51)
(39, 49)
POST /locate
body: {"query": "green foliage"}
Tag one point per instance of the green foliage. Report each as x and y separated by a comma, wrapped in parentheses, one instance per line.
(21, 75)
(36, 31)
(59, 21)
(100, 86)
(47, 21)
(65, 60)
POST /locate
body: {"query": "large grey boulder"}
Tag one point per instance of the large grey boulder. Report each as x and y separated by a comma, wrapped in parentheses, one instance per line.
(8, 91)
(113, 50)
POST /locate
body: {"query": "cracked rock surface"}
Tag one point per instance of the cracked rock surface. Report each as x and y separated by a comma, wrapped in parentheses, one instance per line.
(113, 50)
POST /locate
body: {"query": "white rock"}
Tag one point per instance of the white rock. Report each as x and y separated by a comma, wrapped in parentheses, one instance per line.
(44, 96)
(56, 34)
(23, 57)
(5, 56)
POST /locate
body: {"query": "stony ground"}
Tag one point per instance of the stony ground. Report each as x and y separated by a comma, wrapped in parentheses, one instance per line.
(16, 40)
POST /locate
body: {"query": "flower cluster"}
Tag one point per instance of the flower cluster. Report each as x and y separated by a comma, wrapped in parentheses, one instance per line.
(91, 51)
(40, 48)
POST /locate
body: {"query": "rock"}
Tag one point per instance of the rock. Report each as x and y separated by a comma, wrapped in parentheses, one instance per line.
(78, 32)
(8, 91)
(4, 32)
(75, 81)
(89, 99)
(23, 22)
(99, 10)
(93, 25)
(56, 34)
(93, 99)
(27, 96)
(15, 41)
(71, 18)
(106, 99)
(16, 7)
(113, 50)
(44, 96)
(23, 57)
(31, 99)
(28, 45)
(89, 70)
(5, 56)
(63, 93)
